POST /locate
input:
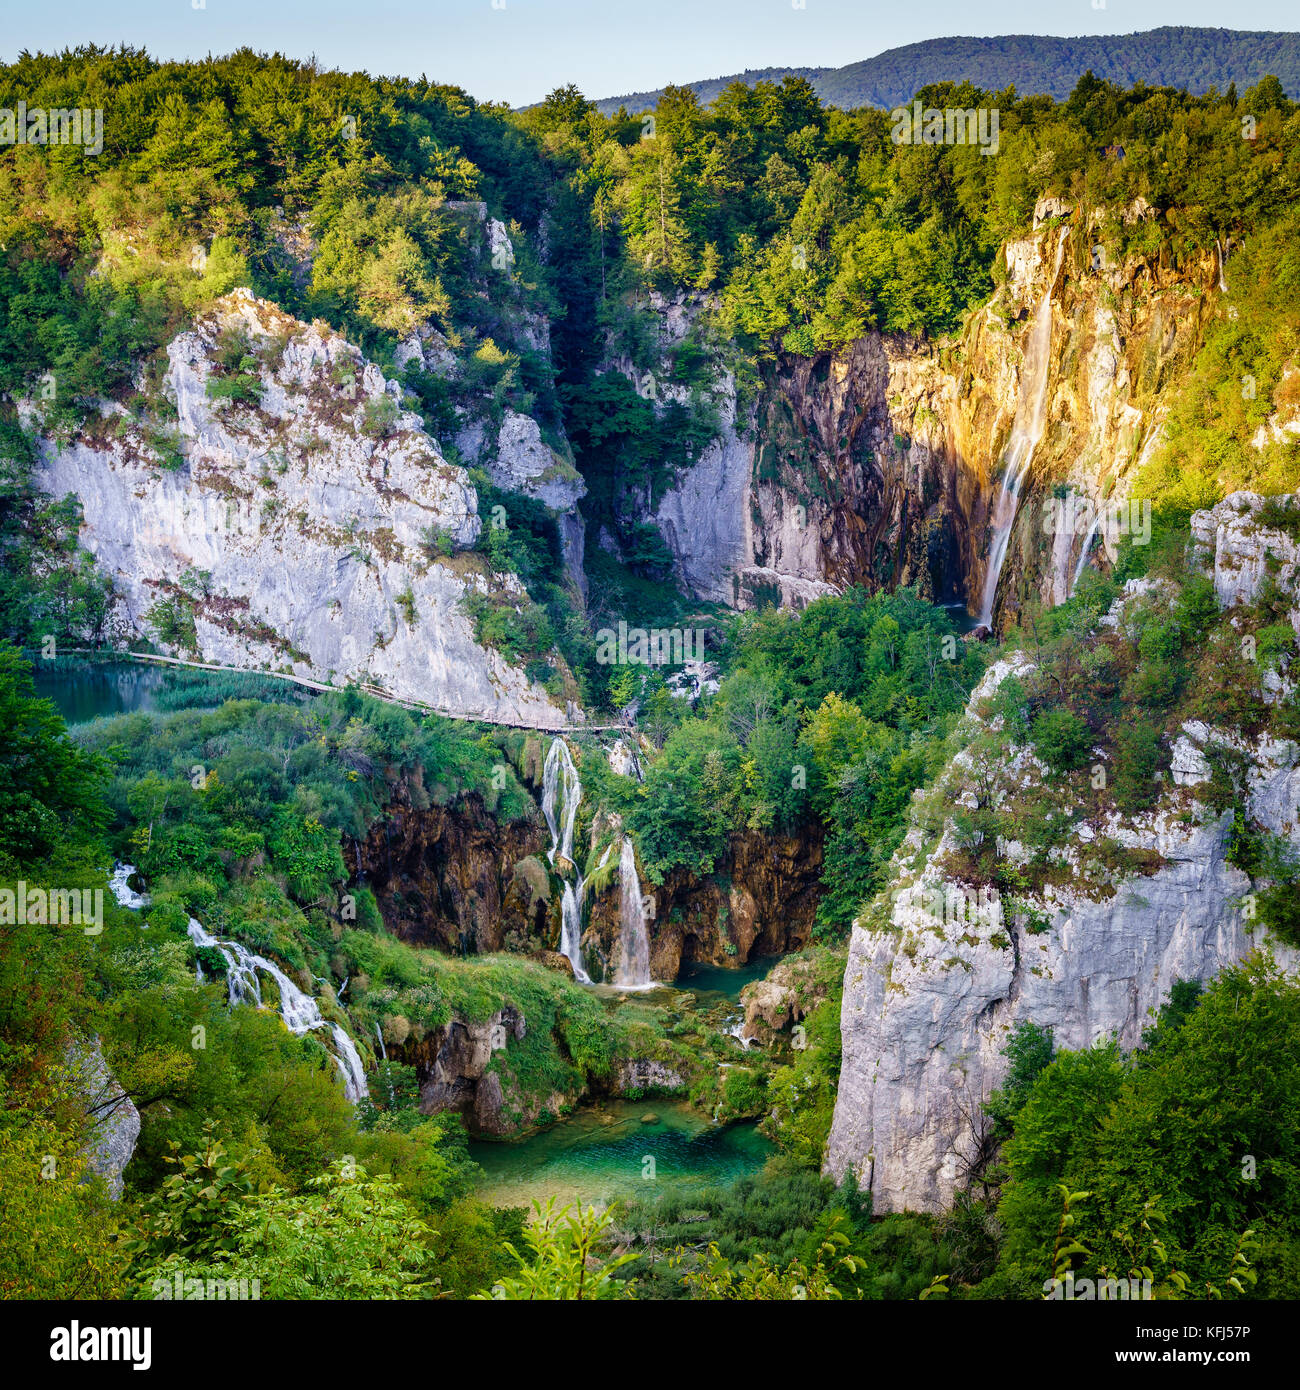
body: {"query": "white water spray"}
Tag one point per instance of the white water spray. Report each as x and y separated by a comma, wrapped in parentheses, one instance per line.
(300, 1012)
(1026, 431)
(123, 894)
(560, 782)
(632, 970)
(560, 776)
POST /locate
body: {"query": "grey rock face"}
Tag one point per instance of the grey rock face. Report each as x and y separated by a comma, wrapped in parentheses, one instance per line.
(1240, 553)
(295, 533)
(931, 997)
(705, 516)
(114, 1119)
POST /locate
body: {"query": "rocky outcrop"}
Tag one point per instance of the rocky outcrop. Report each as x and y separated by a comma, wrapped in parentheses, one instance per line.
(646, 1074)
(454, 876)
(789, 993)
(1240, 551)
(452, 1064)
(931, 996)
(114, 1120)
(760, 900)
(306, 524)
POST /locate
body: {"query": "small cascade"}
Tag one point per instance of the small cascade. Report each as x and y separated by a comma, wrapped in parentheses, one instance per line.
(1218, 251)
(379, 1033)
(300, 1012)
(571, 930)
(1084, 553)
(123, 894)
(1026, 431)
(571, 921)
(349, 1061)
(560, 777)
(632, 970)
(734, 1027)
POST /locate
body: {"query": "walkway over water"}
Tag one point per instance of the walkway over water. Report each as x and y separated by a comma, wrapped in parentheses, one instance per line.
(366, 688)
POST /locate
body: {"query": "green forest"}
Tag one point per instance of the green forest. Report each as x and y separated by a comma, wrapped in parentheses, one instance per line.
(857, 736)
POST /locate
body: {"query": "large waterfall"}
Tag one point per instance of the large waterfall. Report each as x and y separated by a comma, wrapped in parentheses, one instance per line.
(300, 1011)
(632, 968)
(1026, 431)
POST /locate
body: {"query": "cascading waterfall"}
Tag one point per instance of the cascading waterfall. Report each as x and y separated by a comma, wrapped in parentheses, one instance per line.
(560, 775)
(123, 894)
(561, 795)
(560, 781)
(571, 930)
(1026, 431)
(632, 970)
(571, 920)
(300, 1012)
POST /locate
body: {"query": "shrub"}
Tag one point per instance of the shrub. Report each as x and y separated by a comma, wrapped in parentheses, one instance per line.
(379, 417)
(1137, 756)
(1061, 739)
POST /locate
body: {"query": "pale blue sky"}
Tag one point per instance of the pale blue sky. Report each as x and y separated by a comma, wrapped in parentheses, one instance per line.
(518, 50)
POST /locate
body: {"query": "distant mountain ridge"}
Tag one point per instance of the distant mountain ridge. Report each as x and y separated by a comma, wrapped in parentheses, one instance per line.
(1197, 59)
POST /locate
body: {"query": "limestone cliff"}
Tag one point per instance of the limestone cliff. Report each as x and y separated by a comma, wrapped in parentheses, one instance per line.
(449, 876)
(294, 518)
(878, 465)
(931, 994)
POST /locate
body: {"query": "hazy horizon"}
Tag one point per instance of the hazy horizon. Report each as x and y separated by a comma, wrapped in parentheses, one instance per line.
(518, 50)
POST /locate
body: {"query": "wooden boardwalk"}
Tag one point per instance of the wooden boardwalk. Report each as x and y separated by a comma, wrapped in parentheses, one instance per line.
(366, 687)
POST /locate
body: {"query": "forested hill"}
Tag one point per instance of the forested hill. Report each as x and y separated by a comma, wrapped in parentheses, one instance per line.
(1195, 59)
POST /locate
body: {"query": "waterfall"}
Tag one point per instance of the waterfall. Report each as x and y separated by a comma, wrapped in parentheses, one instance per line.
(300, 1012)
(632, 970)
(1083, 554)
(560, 775)
(571, 931)
(561, 795)
(1218, 251)
(571, 921)
(123, 894)
(349, 1063)
(560, 781)
(379, 1033)
(1026, 431)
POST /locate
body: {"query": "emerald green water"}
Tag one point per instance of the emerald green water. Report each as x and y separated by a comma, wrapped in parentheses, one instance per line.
(600, 1155)
(87, 690)
(83, 689)
(716, 984)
